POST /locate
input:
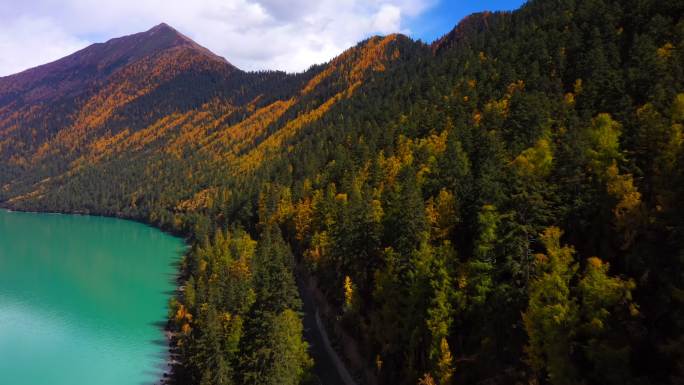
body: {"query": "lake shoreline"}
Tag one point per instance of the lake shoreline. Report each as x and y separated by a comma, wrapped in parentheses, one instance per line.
(169, 362)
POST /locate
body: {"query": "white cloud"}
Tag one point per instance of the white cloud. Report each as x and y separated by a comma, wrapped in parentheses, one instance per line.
(26, 42)
(252, 34)
(388, 19)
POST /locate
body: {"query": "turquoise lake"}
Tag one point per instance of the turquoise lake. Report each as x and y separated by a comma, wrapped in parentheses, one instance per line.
(83, 299)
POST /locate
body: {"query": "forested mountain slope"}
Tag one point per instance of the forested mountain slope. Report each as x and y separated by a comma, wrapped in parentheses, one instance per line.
(505, 205)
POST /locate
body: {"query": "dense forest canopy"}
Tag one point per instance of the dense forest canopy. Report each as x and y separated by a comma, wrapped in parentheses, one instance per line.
(503, 206)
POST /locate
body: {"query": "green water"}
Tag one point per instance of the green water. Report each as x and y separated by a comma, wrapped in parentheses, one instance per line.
(82, 299)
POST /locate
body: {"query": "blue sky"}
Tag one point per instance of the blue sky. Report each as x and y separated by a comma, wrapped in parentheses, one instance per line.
(442, 17)
(252, 34)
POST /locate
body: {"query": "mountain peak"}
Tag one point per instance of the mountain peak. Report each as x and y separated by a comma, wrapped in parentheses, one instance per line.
(69, 75)
(164, 31)
(162, 27)
(159, 38)
(468, 26)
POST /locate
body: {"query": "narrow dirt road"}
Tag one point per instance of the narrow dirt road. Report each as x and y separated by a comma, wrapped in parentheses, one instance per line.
(329, 368)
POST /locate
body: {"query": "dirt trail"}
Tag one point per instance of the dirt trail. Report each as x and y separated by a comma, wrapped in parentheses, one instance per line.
(329, 368)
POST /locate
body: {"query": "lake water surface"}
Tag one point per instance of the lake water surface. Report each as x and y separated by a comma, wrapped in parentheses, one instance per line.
(82, 299)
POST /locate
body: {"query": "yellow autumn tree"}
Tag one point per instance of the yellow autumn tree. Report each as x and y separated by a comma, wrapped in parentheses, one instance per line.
(567, 318)
(604, 147)
(303, 216)
(535, 161)
(427, 380)
(552, 313)
(445, 369)
(627, 211)
(348, 294)
(442, 214)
